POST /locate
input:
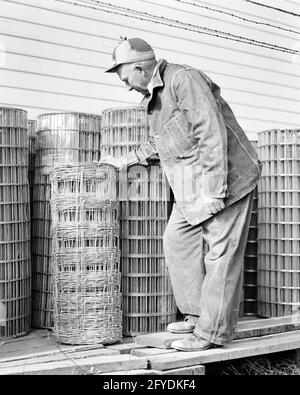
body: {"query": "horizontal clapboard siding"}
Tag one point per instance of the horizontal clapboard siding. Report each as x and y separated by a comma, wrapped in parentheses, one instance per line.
(53, 56)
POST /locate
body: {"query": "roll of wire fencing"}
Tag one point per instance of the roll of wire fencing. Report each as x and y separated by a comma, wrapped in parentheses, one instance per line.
(62, 138)
(279, 224)
(15, 260)
(85, 254)
(249, 300)
(123, 130)
(148, 301)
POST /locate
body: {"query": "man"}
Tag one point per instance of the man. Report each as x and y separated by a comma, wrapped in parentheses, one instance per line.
(212, 169)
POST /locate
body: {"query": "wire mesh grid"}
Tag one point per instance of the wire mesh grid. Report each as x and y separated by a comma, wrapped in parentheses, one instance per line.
(279, 223)
(85, 254)
(250, 264)
(15, 264)
(249, 299)
(122, 130)
(148, 301)
(62, 138)
(32, 147)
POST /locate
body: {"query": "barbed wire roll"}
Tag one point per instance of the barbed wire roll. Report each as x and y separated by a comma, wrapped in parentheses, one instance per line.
(85, 254)
(62, 138)
(279, 224)
(15, 260)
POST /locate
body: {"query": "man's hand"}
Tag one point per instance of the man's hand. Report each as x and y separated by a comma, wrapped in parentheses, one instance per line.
(214, 206)
(153, 160)
(119, 163)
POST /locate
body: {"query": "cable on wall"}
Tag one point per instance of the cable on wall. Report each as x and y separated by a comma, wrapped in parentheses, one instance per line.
(183, 26)
(233, 36)
(235, 16)
(273, 8)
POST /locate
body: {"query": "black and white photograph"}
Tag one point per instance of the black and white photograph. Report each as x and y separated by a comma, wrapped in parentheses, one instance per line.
(149, 190)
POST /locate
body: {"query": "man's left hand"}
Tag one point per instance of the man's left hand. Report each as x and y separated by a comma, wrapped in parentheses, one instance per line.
(214, 206)
(119, 163)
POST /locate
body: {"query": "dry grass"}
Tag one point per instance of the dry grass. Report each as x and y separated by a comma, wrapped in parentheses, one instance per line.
(262, 367)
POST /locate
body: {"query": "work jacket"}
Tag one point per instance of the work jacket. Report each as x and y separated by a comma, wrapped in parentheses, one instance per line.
(203, 151)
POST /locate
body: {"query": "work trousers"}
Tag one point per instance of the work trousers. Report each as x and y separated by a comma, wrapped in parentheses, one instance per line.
(209, 288)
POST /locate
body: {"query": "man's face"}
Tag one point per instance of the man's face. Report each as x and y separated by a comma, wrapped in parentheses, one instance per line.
(134, 78)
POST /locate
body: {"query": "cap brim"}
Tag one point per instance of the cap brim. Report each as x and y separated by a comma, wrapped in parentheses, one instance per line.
(112, 69)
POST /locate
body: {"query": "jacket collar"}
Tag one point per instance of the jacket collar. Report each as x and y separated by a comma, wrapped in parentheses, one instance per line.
(156, 81)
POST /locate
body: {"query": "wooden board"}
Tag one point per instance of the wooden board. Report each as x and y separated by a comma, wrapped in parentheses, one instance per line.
(86, 366)
(34, 334)
(37, 344)
(146, 352)
(140, 372)
(236, 350)
(161, 340)
(190, 371)
(245, 329)
(55, 357)
(125, 348)
(187, 371)
(264, 327)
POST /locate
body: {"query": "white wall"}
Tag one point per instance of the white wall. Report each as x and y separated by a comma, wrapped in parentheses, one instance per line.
(53, 56)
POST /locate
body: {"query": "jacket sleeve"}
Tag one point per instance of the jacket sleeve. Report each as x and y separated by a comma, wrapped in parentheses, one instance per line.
(197, 102)
(144, 152)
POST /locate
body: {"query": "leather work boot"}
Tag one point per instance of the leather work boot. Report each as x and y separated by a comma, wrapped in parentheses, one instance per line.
(182, 327)
(192, 343)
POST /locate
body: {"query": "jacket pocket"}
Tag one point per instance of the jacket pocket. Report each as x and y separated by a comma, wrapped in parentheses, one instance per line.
(179, 136)
(233, 177)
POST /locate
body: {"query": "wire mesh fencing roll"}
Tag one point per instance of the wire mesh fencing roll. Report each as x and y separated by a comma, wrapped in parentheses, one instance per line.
(279, 224)
(249, 299)
(85, 254)
(148, 301)
(122, 130)
(250, 264)
(31, 124)
(62, 138)
(15, 260)
(32, 147)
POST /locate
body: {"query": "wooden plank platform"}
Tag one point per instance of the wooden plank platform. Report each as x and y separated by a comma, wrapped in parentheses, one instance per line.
(146, 352)
(84, 366)
(269, 326)
(39, 353)
(55, 357)
(37, 344)
(236, 350)
(125, 348)
(245, 329)
(189, 371)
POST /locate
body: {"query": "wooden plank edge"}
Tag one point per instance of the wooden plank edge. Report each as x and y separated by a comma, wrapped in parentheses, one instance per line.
(89, 366)
(58, 350)
(250, 348)
(198, 370)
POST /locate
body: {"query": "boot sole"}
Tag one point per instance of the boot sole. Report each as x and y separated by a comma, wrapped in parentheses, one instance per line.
(194, 349)
(181, 332)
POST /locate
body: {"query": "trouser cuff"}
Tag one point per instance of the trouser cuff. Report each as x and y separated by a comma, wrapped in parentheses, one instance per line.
(210, 338)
